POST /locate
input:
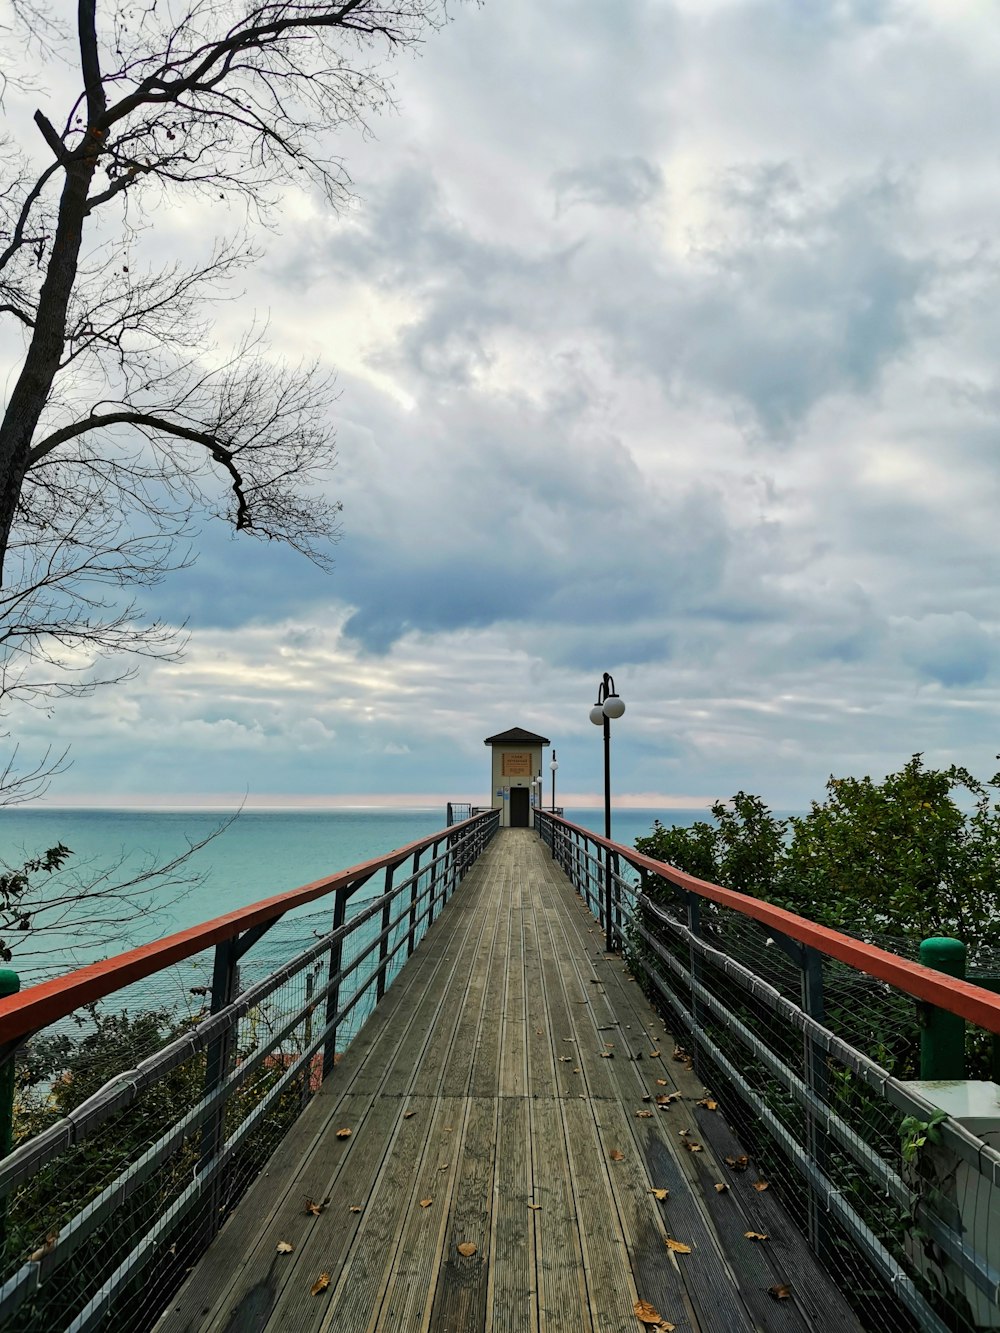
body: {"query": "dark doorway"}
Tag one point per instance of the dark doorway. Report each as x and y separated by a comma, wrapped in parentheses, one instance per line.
(519, 807)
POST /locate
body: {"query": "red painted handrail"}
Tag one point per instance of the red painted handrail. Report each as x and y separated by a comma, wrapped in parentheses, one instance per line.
(971, 1002)
(37, 1006)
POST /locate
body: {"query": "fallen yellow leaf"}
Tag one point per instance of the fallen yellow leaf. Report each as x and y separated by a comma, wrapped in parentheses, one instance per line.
(321, 1284)
(661, 1194)
(676, 1246)
(761, 1185)
(284, 1247)
(738, 1163)
(426, 1203)
(343, 1133)
(643, 1115)
(780, 1291)
(650, 1316)
(535, 1207)
(355, 1208)
(408, 1115)
(467, 1248)
(721, 1187)
(709, 1104)
(756, 1235)
(616, 1156)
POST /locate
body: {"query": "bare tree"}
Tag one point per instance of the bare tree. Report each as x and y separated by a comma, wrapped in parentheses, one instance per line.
(123, 420)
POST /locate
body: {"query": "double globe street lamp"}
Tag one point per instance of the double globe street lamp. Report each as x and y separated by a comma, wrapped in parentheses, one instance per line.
(609, 704)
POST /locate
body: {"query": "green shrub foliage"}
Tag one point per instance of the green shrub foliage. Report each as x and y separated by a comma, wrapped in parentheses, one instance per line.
(914, 855)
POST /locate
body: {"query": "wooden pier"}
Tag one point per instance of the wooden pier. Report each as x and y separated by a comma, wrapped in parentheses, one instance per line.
(505, 1154)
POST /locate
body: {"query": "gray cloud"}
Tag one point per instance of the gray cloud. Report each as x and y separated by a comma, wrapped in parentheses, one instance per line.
(613, 182)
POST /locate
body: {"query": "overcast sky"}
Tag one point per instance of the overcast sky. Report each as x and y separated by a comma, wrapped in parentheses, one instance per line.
(667, 341)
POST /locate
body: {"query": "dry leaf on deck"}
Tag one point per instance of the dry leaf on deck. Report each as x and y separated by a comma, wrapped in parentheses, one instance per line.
(535, 1207)
(426, 1203)
(761, 1185)
(738, 1163)
(315, 1208)
(616, 1156)
(565, 1059)
(647, 1314)
(321, 1284)
(408, 1115)
(662, 1082)
(680, 1054)
(467, 1248)
(444, 1166)
(607, 1055)
(660, 1194)
(709, 1104)
(780, 1291)
(692, 1146)
(756, 1235)
(676, 1246)
(355, 1208)
(284, 1247)
(643, 1115)
(343, 1133)
(654, 1055)
(721, 1187)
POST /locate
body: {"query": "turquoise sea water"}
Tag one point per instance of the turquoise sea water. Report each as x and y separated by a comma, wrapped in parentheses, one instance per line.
(261, 853)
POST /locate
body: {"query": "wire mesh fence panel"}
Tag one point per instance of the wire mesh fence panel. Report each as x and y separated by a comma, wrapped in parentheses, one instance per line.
(140, 1120)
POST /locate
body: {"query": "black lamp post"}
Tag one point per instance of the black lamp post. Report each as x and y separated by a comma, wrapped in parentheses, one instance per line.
(609, 704)
(553, 765)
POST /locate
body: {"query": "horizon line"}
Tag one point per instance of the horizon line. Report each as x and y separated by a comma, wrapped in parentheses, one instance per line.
(361, 801)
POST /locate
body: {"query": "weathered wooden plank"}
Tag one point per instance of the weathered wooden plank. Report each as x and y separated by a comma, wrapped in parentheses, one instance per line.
(461, 1290)
(563, 1306)
(414, 1260)
(511, 1300)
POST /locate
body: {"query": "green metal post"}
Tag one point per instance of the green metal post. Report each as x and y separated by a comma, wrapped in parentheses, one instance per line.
(10, 984)
(942, 1036)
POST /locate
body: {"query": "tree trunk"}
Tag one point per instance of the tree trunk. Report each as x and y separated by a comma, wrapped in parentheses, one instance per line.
(34, 384)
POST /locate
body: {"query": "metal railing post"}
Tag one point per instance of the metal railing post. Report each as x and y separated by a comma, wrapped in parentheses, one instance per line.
(695, 972)
(619, 917)
(817, 1080)
(608, 923)
(333, 997)
(414, 894)
(383, 948)
(435, 875)
(218, 1062)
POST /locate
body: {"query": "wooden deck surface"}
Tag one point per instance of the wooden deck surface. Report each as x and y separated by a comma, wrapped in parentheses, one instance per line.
(505, 1078)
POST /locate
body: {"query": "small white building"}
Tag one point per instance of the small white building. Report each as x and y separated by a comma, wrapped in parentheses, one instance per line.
(517, 762)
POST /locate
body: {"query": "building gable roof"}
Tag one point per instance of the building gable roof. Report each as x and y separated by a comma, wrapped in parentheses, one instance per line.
(516, 736)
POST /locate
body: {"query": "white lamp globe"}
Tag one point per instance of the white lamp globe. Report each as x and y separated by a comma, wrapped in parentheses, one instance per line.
(553, 764)
(597, 715)
(614, 707)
